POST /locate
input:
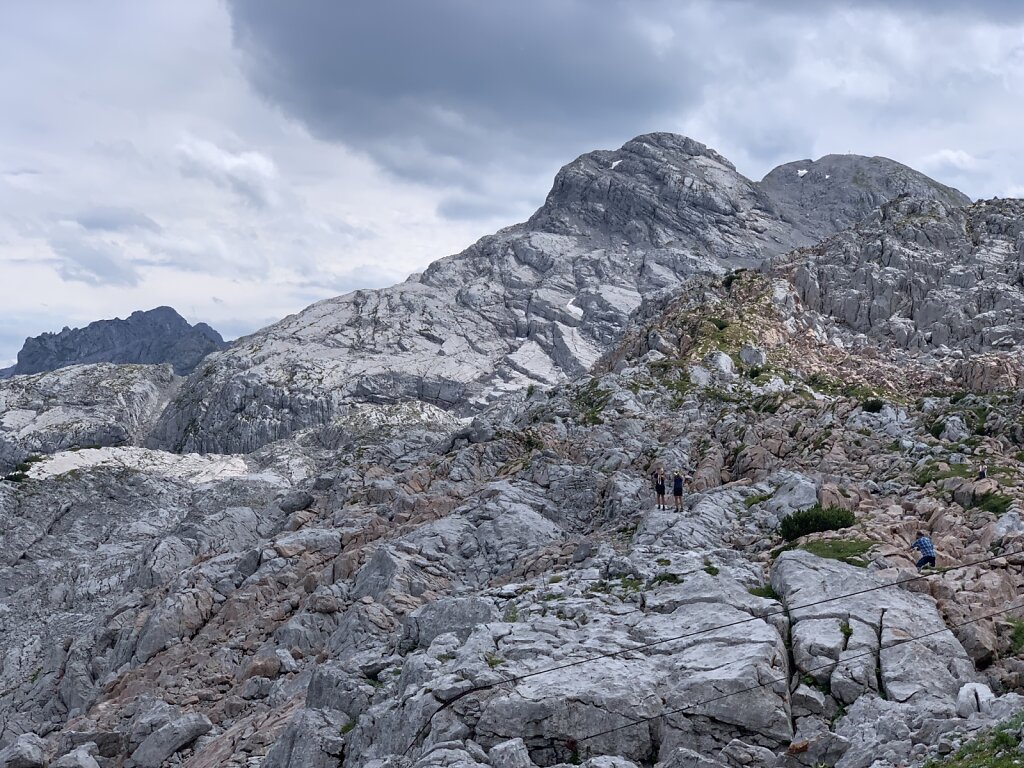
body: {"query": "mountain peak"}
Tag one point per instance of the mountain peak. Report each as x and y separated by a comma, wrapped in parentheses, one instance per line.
(836, 191)
(158, 335)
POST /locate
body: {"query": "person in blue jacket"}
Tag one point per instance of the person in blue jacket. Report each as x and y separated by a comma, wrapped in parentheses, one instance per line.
(924, 545)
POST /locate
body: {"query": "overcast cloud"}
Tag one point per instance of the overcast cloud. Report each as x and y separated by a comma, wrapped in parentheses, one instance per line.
(241, 161)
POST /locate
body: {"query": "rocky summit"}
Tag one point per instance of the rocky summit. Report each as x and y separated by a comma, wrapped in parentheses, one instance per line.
(417, 527)
(160, 335)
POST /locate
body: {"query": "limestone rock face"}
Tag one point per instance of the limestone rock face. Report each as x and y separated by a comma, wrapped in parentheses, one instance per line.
(927, 274)
(158, 336)
(80, 406)
(534, 304)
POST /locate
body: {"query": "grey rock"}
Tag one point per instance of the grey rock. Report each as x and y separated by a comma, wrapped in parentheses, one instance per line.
(170, 738)
(459, 615)
(964, 266)
(752, 356)
(80, 757)
(719, 362)
(334, 687)
(27, 751)
(974, 698)
(311, 740)
(795, 492)
(954, 430)
(510, 754)
(681, 757)
(80, 407)
(296, 501)
(535, 303)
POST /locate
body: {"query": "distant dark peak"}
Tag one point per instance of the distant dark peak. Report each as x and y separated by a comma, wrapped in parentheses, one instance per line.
(824, 196)
(155, 336)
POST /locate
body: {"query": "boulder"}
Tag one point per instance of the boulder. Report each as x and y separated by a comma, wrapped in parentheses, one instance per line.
(510, 754)
(27, 751)
(752, 356)
(459, 615)
(974, 698)
(81, 757)
(171, 738)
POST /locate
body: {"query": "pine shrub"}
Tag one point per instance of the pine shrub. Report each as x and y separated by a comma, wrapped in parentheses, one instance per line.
(814, 520)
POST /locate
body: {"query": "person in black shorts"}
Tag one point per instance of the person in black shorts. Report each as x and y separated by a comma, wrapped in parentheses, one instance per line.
(659, 488)
(677, 489)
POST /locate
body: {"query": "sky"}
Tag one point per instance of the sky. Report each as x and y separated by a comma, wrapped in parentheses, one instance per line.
(240, 160)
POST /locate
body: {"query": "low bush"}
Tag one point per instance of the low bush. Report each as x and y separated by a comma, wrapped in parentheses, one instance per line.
(872, 405)
(814, 520)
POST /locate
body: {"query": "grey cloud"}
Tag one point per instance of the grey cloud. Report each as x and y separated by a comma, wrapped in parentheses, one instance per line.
(114, 219)
(93, 263)
(433, 90)
(467, 208)
(476, 96)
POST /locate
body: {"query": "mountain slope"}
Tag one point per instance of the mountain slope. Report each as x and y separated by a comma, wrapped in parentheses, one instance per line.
(533, 304)
(367, 594)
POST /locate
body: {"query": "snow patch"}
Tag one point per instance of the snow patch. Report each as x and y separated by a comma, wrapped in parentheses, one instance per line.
(801, 173)
(193, 467)
(532, 361)
(614, 164)
(623, 299)
(574, 310)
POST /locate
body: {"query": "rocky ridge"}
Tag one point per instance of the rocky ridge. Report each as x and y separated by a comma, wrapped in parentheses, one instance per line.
(80, 406)
(157, 336)
(536, 303)
(399, 586)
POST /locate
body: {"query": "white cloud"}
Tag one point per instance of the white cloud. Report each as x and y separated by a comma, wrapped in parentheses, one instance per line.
(945, 159)
(250, 174)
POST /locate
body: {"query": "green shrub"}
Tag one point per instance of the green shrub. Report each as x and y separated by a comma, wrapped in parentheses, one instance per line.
(814, 520)
(848, 551)
(996, 503)
(765, 591)
(666, 578)
(719, 323)
(16, 477)
(872, 405)
(493, 660)
(1016, 636)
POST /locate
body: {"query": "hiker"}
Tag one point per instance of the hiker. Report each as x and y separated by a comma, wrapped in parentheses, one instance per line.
(982, 472)
(926, 548)
(659, 488)
(677, 489)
